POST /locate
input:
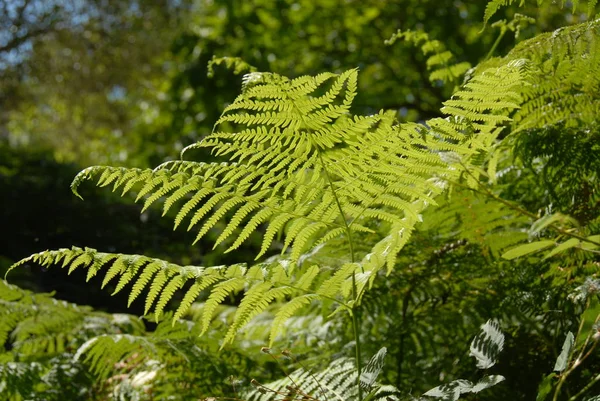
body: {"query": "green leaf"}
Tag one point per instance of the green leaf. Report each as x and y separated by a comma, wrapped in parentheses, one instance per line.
(545, 387)
(563, 358)
(573, 242)
(588, 320)
(526, 249)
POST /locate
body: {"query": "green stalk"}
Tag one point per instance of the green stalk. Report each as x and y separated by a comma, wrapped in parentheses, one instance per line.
(354, 311)
(356, 326)
(496, 43)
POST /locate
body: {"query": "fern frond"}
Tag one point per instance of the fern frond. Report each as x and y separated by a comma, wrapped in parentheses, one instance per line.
(301, 165)
(264, 284)
(441, 63)
(336, 382)
(562, 78)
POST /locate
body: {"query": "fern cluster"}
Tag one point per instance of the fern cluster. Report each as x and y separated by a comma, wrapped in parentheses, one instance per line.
(300, 164)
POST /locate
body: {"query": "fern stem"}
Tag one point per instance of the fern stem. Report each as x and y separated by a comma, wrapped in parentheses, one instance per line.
(586, 388)
(496, 43)
(339, 206)
(355, 308)
(356, 327)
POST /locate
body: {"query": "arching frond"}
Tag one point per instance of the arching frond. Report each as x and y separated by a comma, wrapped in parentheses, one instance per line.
(264, 284)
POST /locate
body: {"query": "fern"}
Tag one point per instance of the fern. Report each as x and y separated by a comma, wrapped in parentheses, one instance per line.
(39, 334)
(265, 284)
(563, 83)
(301, 165)
(440, 61)
(236, 64)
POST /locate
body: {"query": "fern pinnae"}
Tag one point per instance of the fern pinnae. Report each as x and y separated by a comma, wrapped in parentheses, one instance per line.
(275, 226)
(114, 270)
(217, 296)
(285, 312)
(331, 286)
(258, 218)
(187, 208)
(208, 205)
(218, 215)
(176, 181)
(188, 299)
(255, 301)
(160, 280)
(144, 278)
(192, 185)
(98, 263)
(305, 236)
(243, 212)
(83, 259)
(167, 293)
(134, 263)
(140, 177)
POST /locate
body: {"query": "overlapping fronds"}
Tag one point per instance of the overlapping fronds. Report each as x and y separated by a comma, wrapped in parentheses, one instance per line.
(441, 62)
(485, 347)
(495, 5)
(300, 164)
(478, 113)
(38, 334)
(19, 380)
(563, 78)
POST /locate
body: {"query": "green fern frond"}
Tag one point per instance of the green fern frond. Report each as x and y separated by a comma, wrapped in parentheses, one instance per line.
(441, 63)
(301, 165)
(476, 220)
(264, 284)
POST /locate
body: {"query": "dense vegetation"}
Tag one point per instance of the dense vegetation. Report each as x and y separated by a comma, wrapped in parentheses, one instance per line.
(387, 200)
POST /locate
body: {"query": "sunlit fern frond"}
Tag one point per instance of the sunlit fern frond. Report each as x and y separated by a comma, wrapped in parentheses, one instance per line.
(441, 62)
(236, 64)
(493, 6)
(263, 284)
(301, 165)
